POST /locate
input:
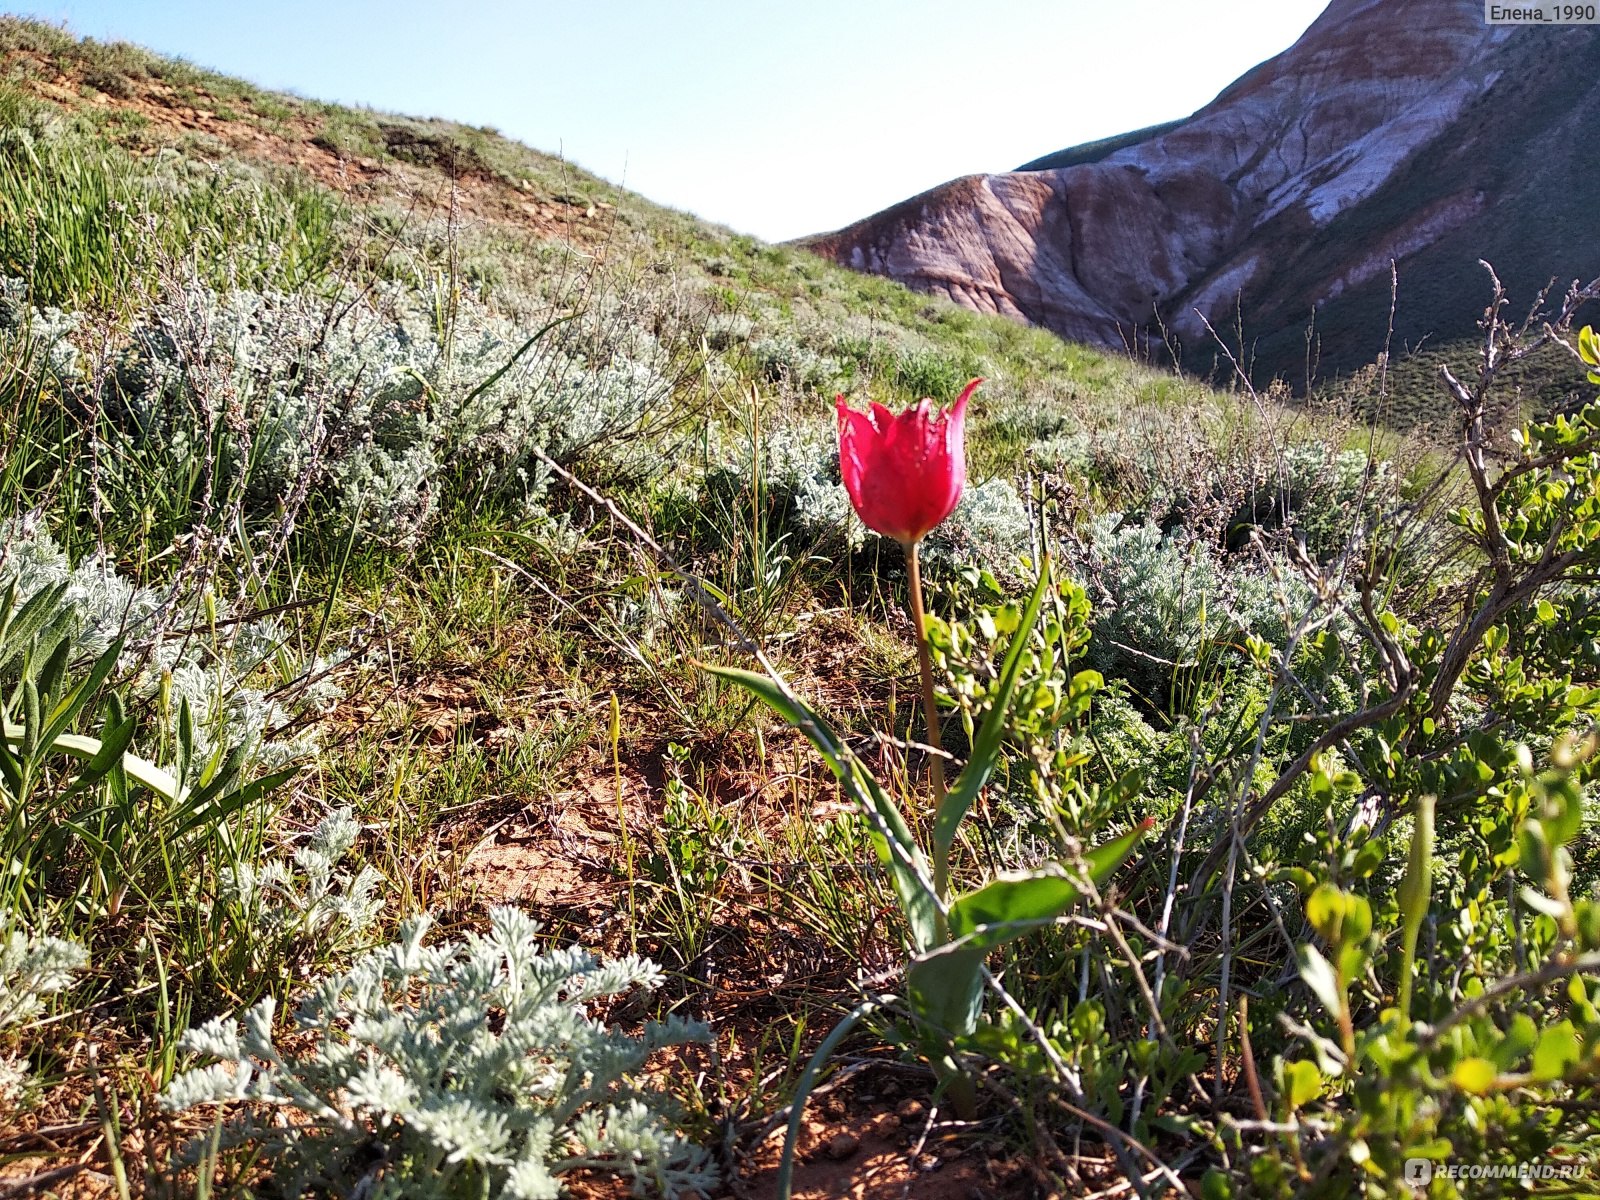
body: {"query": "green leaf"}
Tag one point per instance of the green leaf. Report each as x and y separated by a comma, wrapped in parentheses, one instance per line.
(903, 859)
(1107, 857)
(1589, 349)
(1370, 857)
(1040, 896)
(20, 629)
(1302, 1081)
(945, 988)
(147, 774)
(1318, 973)
(1007, 907)
(214, 811)
(1521, 1037)
(69, 707)
(1563, 815)
(986, 745)
(1325, 909)
(1475, 1075)
(1557, 1050)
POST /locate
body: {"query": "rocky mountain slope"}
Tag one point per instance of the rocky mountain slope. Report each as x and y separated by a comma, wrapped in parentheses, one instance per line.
(1401, 130)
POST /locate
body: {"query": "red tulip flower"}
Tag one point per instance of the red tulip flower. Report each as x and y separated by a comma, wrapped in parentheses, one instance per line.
(904, 473)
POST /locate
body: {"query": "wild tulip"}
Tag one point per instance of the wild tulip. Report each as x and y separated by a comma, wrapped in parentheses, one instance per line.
(904, 475)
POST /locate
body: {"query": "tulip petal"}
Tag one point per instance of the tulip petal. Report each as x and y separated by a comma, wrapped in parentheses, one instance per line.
(904, 473)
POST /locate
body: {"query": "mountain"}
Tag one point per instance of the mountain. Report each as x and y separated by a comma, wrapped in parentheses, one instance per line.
(1405, 130)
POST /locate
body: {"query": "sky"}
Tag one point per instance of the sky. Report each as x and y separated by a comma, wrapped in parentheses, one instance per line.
(775, 118)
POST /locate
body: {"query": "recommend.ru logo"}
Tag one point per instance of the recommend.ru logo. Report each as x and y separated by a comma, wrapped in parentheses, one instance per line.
(1420, 1172)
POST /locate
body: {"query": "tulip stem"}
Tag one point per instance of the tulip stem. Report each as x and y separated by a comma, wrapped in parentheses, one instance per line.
(930, 710)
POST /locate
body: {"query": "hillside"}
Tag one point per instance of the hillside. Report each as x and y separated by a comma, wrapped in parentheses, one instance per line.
(1408, 131)
(460, 736)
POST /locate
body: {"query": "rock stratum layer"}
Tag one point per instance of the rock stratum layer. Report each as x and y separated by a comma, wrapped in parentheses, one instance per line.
(1393, 130)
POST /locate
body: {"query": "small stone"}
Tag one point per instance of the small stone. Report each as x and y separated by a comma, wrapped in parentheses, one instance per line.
(910, 1109)
(842, 1145)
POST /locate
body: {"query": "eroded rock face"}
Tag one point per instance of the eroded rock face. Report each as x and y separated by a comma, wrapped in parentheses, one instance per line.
(1389, 128)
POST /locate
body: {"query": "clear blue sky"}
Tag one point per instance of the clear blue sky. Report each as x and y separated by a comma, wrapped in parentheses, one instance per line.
(777, 118)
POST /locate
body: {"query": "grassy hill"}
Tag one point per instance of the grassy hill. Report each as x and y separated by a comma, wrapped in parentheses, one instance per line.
(382, 487)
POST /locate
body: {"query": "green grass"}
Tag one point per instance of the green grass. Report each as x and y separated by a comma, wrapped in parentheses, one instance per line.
(88, 226)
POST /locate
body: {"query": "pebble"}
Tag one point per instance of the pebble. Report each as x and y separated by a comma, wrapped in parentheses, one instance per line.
(842, 1145)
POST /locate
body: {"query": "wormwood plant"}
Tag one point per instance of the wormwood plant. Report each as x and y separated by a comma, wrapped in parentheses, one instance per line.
(31, 968)
(370, 402)
(465, 1068)
(312, 900)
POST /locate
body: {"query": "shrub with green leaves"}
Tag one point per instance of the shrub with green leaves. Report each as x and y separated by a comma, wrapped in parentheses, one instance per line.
(464, 1068)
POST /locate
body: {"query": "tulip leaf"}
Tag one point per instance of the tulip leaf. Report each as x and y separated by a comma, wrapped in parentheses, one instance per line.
(209, 811)
(91, 750)
(945, 988)
(986, 745)
(891, 837)
(945, 985)
(1007, 907)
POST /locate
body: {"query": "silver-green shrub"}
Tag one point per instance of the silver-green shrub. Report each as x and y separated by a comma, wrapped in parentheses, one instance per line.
(466, 1068)
(1160, 598)
(784, 358)
(1334, 496)
(371, 398)
(46, 333)
(989, 528)
(312, 901)
(31, 968)
(176, 655)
